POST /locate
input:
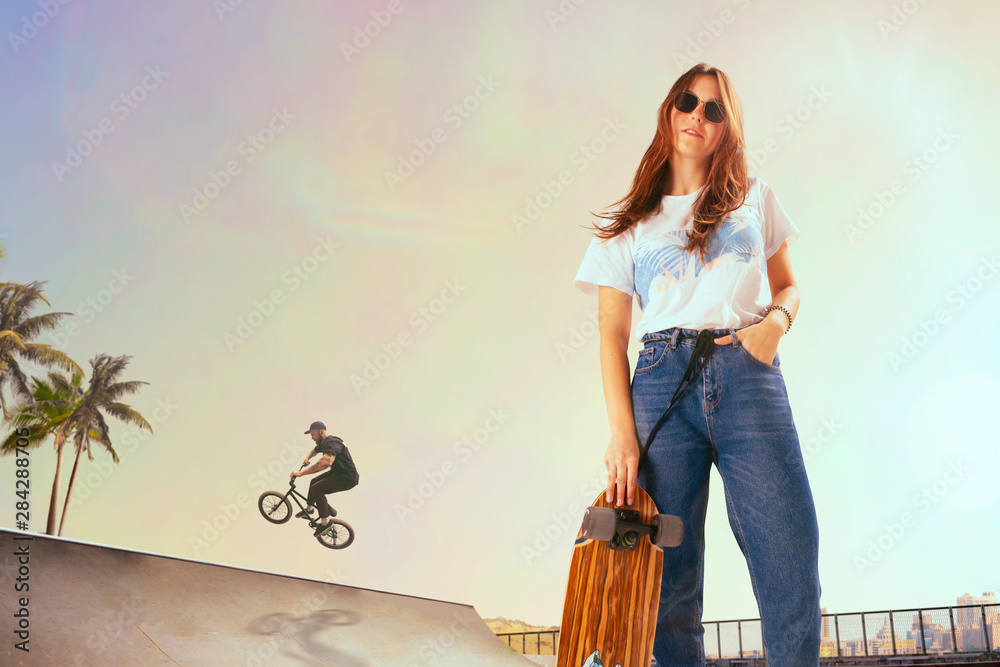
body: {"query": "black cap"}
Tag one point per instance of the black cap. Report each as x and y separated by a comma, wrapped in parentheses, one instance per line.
(319, 425)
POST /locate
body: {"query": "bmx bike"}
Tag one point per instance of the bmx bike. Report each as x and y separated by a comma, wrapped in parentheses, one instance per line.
(276, 508)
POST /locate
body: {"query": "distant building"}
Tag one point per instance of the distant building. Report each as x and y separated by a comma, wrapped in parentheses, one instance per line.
(936, 636)
(970, 632)
(883, 643)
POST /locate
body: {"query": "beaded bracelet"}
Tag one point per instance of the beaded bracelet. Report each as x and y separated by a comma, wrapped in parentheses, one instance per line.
(768, 310)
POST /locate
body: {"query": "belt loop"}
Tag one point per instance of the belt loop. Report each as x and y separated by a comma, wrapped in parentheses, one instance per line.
(732, 332)
(673, 337)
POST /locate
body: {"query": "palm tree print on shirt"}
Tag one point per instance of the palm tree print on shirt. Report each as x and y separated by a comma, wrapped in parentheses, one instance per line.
(661, 263)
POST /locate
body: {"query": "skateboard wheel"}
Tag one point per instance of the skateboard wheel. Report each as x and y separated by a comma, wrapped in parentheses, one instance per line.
(599, 523)
(669, 530)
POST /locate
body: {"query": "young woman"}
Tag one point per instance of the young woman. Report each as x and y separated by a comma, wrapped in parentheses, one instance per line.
(705, 248)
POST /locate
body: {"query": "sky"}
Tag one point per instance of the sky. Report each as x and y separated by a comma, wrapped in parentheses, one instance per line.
(371, 214)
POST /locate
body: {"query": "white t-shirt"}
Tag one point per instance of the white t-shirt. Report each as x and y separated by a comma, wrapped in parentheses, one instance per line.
(675, 289)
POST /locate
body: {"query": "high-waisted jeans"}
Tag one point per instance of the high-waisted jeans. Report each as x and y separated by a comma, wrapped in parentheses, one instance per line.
(735, 414)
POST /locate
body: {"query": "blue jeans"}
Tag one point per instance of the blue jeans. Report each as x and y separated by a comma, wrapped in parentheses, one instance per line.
(735, 414)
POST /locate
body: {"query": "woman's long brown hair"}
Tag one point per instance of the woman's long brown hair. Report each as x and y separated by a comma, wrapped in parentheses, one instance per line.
(727, 177)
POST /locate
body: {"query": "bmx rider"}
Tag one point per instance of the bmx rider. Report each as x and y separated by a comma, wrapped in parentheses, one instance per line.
(340, 474)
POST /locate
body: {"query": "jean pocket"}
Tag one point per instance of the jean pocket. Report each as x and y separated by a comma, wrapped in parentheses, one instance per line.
(651, 357)
(774, 366)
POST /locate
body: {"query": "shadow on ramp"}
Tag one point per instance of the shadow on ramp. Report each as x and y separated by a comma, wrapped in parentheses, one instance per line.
(92, 605)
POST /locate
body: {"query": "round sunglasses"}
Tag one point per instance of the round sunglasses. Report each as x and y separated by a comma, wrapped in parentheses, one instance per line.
(687, 101)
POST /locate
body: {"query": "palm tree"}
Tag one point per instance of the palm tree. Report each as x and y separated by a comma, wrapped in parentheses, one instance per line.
(17, 329)
(87, 420)
(48, 414)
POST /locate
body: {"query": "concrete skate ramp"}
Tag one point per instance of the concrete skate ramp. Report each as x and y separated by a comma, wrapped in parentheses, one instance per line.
(94, 605)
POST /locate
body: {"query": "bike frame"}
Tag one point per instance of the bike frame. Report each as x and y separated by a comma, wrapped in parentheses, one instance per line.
(295, 495)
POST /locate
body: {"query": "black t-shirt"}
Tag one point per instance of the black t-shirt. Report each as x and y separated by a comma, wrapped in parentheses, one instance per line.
(343, 464)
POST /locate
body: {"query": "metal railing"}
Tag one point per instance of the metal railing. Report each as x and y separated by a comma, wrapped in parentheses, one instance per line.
(537, 634)
(969, 632)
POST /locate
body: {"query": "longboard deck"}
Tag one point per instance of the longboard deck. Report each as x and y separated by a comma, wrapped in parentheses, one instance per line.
(609, 616)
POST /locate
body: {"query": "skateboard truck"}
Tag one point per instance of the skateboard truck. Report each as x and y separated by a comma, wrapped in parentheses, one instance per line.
(623, 528)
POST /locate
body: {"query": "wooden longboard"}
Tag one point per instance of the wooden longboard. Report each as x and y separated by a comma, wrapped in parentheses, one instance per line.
(609, 617)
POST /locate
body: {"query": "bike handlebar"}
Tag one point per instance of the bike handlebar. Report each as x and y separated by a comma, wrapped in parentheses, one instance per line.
(291, 482)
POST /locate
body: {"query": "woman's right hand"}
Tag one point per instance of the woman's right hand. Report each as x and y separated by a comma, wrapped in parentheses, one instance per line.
(622, 462)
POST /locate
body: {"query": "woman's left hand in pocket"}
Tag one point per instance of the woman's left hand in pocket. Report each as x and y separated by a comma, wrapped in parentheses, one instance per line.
(760, 340)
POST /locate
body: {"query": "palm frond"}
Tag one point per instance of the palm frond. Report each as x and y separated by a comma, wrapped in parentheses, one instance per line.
(120, 389)
(124, 413)
(46, 355)
(33, 326)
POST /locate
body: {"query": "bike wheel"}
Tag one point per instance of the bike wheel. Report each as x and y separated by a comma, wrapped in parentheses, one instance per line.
(338, 536)
(274, 507)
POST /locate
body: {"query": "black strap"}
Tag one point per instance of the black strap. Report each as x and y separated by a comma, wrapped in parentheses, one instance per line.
(704, 346)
